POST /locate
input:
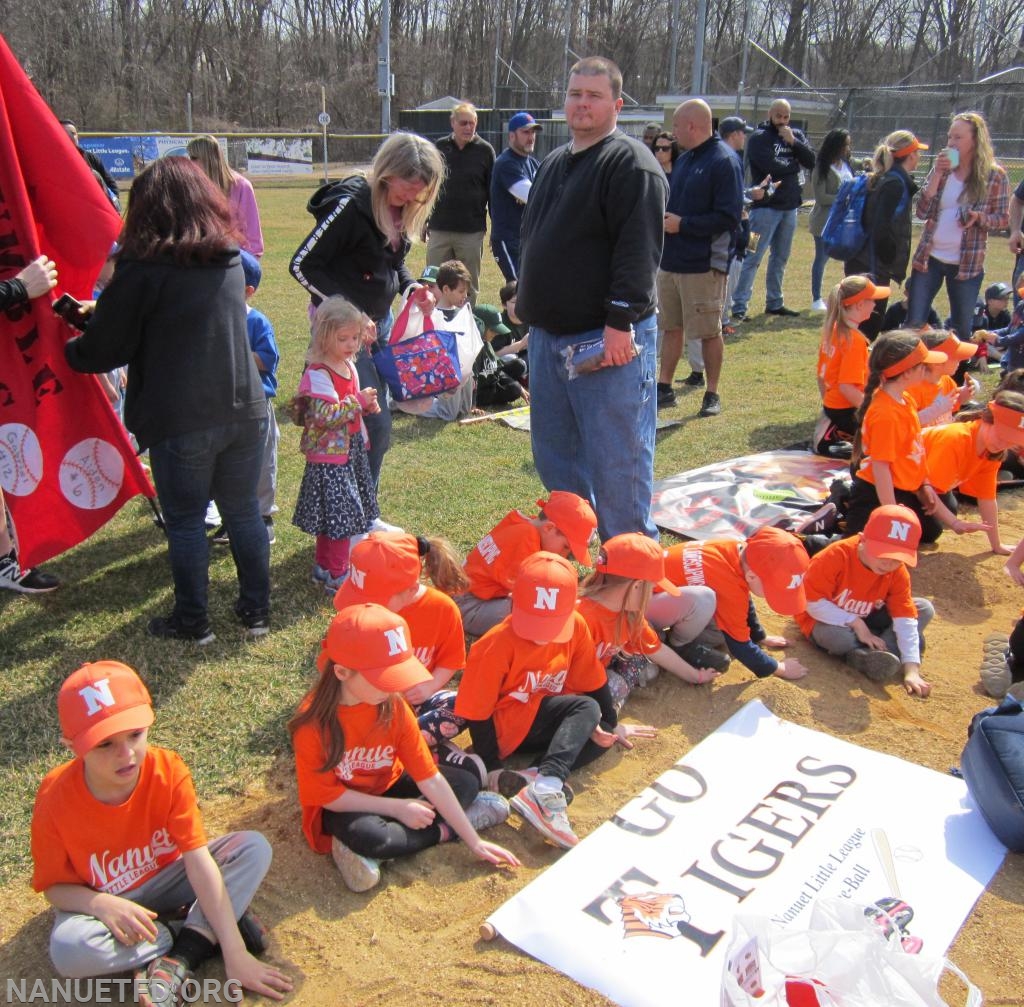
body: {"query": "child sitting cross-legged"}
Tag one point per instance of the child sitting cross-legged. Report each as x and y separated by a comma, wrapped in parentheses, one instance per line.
(118, 842)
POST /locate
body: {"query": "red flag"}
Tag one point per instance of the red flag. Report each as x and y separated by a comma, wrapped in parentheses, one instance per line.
(66, 464)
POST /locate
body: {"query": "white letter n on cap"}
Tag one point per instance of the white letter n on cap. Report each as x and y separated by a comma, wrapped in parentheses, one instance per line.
(97, 696)
(547, 598)
(396, 641)
(796, 580)
(900, 530)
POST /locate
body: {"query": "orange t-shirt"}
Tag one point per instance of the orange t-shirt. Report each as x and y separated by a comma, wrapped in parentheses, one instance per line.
(836, 574)
(113, 848)
(493, 564)
(925, 393)
(506, 678)
(842, 363)
(435, 630)
(954, 463)
(602, 621)
(376, 755)
(891, 432)
(715, 564)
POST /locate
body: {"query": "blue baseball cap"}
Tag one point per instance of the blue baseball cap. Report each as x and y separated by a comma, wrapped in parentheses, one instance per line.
(523, 120)
(251, 269)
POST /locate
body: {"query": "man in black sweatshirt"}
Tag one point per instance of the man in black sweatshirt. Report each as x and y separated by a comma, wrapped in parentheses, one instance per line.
(779, 151)
(591, 243)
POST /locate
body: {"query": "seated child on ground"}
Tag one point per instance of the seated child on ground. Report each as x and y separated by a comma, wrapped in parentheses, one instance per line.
(565, 525)
(992, 312)
(613, 600)
(1009, 337)
(499, 379)
(368, 785)
(938, 397)
(770, 564)
(519, 329)
(533, 684)
(859, 605)
(118, 841)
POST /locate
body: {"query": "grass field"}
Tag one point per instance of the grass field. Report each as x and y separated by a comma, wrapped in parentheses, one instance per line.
(224, 706)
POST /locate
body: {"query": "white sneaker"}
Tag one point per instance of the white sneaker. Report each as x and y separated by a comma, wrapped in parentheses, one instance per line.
(359, 873)
(819, 305)
(487, 810)
(213, 516)
(380, 525)
(546, 813)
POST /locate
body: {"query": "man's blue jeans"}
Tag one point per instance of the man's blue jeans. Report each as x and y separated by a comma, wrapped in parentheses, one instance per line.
(963, 295)
(775, 229)
(594, 435)
(223, 464)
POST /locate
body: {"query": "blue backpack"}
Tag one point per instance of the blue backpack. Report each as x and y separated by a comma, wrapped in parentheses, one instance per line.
(844, 234)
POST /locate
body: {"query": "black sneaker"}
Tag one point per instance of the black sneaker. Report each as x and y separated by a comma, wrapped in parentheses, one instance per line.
(31, 581)
(666, 396)
(711, 406)
(254, 933)
(269, 523)
(782, 311)
(738, 317)
(256, 622)
(695, 380)
(170, 627)
(220, 536)
(701, 656)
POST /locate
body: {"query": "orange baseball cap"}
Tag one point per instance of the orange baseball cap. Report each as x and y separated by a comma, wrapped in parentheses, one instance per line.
(100, 700)
(907, 149)
(779, 558)
(574, 518)
(544, 599)
(637, 556)
(893, 532)
(920, 354)
(871, 292)
(954, 347)
(380, 566)
(376, 643)
(1008, 420)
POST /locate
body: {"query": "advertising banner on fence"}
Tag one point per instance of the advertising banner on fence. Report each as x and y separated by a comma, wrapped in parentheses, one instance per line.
(763, 817)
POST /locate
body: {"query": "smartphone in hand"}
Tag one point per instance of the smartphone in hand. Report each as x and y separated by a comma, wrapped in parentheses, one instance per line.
(70, 309)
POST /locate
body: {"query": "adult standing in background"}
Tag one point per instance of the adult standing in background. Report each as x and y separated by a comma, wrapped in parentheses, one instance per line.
(1016, 237)
(651, 131)
(459, 221)
(98, 168)
(831, 169)
(364, 229)
(964, 197)
(206, 152)
(513, 175)
(778, 150)
(734, 132)
(591, 243)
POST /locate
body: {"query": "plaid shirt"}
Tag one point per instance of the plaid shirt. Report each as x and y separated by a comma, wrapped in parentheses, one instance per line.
(994, 217)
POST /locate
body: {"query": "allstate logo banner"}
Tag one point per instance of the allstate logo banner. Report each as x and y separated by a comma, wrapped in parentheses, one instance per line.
(763, 817)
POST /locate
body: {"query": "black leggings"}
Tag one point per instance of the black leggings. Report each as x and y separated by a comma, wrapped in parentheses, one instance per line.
(382, 838)
(562, 730)
(864, 499)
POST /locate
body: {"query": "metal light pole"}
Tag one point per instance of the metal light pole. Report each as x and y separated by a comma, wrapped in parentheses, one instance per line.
(384, 85)
(673, 56)
(697, 80)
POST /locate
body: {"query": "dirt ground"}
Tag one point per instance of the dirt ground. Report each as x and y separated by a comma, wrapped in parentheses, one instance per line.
(414, 940)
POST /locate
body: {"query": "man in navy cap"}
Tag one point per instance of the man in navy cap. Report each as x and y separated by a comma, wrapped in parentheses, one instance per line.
(513, 175)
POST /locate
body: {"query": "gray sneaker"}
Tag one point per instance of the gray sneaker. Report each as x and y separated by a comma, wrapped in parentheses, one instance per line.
(487, 810)
(359, 873)
(878, 665)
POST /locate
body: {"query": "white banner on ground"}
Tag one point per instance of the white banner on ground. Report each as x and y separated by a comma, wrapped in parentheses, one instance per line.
(762, 817)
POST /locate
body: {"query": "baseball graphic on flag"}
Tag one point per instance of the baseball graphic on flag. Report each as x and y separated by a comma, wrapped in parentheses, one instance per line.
(21, 459)
(91, 473)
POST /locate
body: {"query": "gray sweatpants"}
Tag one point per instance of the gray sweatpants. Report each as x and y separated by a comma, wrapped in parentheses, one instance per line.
(481, 614)
(81, 946)
(685, 615)
(840, 641)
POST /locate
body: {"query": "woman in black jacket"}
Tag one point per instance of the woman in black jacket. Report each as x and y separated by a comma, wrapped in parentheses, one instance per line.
(886, 254)
(364, 229)
(174, 312)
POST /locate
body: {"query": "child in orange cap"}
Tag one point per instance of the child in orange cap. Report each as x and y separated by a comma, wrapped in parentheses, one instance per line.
(888, 453)
(533, 684)
(859, 605)
(770, 564)
(117, 840)
(843, 360)
(385, 570)
(967, 455)
(613, 601)
(362, 764)
(938, 398)
(565, 526)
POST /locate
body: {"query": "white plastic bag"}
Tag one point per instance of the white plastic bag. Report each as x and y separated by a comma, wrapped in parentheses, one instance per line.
(842, 959)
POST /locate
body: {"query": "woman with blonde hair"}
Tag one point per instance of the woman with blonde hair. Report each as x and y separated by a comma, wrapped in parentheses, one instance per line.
(206, 152)
(364, 228)
(891, 189)
(965, 196)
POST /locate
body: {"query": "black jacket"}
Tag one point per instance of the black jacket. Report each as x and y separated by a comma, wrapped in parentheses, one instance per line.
(347, 254)
(887, 213)
(462, 204)
(591, 238)
(768, 154)
(181, 330)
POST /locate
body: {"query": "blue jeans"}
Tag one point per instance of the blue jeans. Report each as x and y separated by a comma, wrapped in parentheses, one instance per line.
(963, 296)
(818, 267)
(221, 464)
(378, 425)
(594, 436)
(775, 229)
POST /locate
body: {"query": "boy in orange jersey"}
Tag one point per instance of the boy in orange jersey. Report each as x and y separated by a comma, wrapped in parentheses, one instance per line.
(565, 526)
(117, 839)
(533, 684)
(770, 564)
(859, 605)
